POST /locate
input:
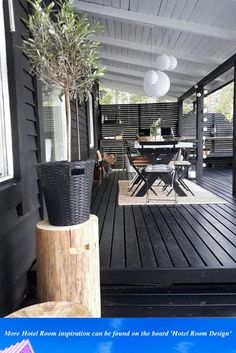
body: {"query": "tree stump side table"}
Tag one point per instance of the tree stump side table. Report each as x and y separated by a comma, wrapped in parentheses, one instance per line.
(68, 264)
(51, 310)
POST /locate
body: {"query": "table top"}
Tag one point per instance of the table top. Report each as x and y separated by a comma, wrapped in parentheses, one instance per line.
(163, 144)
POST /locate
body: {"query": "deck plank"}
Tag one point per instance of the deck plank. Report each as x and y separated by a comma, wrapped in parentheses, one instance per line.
(161, 253)
(106, 233)
(189, 252)
(137, 239)
(145, 246)
(118, 244)
(199, 245)
(219, 253)
(215, 223)
(131, 242)
(172, 246)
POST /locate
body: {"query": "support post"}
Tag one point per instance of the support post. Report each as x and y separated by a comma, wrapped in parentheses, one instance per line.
(234, 132)
(199, 132)
(180, 117)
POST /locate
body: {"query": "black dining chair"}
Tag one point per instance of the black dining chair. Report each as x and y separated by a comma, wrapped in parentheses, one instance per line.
(138, 163)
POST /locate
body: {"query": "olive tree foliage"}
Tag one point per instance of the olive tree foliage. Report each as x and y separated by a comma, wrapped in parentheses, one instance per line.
(62, 53)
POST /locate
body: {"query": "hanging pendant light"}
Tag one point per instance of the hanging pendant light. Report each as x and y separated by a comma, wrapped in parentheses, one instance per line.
(163, 62)
(150, 77)
(160, 88)
(151, 90)
(173, 62)
(163, 83)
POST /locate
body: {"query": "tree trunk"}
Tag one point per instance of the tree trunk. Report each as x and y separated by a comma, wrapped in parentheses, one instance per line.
(68, 264)
(68, 120)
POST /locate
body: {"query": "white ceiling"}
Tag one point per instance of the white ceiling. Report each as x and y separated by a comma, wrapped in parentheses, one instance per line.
(200, 33)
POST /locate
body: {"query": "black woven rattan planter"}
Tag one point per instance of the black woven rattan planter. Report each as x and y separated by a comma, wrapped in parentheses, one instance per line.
(67, 190)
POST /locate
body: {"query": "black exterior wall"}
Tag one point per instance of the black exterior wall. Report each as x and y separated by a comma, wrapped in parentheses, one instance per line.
(20, 199)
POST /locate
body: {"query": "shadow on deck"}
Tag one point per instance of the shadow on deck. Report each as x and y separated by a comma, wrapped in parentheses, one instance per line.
(167, 260)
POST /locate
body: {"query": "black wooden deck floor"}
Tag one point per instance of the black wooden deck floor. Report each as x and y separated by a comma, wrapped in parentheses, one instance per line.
(148, 253)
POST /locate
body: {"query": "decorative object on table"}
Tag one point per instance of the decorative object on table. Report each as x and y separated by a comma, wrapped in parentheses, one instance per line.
(68, 264)
(157, 83)
(62, 55)
(155, 129)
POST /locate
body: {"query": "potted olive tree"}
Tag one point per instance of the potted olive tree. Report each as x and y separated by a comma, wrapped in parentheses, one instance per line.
(62, 55)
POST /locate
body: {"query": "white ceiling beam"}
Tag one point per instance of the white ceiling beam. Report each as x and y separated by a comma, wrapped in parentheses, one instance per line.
(151, 20)
(132, 89)
(135, 73)
(123, 79)
(158, 50)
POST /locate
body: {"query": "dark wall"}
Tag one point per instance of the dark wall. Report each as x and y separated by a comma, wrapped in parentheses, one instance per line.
(83, 127)
(86, 152)
(74, 132)
(20, 198)
(19, 205)
(96, 119)
(135, 116)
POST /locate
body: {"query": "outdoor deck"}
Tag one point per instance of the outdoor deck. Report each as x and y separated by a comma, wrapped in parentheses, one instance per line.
(152, 256)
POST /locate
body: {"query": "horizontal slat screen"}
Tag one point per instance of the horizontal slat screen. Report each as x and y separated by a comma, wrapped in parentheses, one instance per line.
(135, 116)
(166, 112)
(217, 126)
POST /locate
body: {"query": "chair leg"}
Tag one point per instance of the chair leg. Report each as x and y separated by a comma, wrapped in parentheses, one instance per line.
(139, 177)
(173, 180)
(136, 187)
(185, 186)
(179, 176)
(133, 182)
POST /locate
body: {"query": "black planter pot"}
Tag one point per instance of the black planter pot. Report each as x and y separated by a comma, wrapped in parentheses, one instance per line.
(67, 190)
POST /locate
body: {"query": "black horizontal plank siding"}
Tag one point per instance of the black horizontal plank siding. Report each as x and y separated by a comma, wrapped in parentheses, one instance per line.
(21, 212)
(83, 128)
(74, 131)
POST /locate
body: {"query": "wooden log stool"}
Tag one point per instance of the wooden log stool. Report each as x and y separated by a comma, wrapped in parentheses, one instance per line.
(68, 264)
(52, 309)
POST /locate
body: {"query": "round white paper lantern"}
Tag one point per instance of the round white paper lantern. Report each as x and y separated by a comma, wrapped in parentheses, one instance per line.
(173, 62)
(150, 90)
(163, 83)
(150, 77)
(163, 62)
